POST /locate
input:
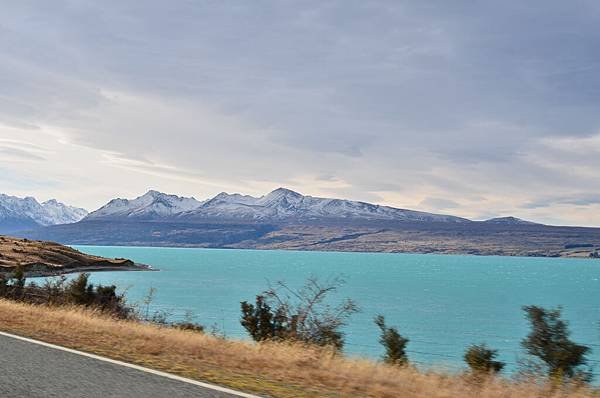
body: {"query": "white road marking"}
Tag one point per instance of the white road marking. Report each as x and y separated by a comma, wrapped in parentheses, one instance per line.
(132, 366)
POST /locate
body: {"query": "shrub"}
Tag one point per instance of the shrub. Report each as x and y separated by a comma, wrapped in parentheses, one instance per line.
(549, 341)
(59, 292)
(393, 342)
(19, 277)
(13, 287)
(481, 359)
(189, 326)
(4, 286)
(282, 313)
(77, 290)
(80, 292)
(188, 323)
(258, 321)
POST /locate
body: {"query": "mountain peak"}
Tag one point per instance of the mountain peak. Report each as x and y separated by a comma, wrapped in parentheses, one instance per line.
(62, 213)
(222, 195)
(279, 192)
(151, 205)
(508, 220)
(281, 197)
(286, 191)
(153, 194)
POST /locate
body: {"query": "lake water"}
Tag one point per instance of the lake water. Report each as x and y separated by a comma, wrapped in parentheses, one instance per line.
(442, 303)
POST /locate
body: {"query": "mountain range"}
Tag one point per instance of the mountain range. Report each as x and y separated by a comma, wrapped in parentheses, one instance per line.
(27, 213)
(284, 219)
(280, 205)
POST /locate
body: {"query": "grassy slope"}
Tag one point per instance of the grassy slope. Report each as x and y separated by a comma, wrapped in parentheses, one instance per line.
(270, 369)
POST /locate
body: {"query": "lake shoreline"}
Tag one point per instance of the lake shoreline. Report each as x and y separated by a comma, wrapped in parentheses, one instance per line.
(573, 254)
(77, 270)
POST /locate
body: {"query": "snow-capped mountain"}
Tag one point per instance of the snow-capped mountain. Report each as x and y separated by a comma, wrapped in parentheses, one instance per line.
(277, 206)
(25, 208)
(61, 213)
(151, 205)
(20, 213)
(283, 204)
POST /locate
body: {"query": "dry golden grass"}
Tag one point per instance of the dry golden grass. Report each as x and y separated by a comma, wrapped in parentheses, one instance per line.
(269, 369)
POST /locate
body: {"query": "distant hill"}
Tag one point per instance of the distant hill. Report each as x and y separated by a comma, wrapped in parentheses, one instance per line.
(508, 221)
(26, 213)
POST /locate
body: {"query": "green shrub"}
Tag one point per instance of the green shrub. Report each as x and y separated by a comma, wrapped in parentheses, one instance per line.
(18, 277)
(77, 291)
(549, 341)
(302, 315)
(58, 291)
(481, 359)
(258, 321)
(393, 342)
(189, 326)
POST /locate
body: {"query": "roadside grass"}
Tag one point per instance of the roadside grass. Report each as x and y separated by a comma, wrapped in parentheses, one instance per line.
(268, 369)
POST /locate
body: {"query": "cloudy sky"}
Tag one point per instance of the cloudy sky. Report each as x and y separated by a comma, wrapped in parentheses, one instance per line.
(473, 108)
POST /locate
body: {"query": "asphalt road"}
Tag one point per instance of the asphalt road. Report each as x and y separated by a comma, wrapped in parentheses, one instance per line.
(31, 371)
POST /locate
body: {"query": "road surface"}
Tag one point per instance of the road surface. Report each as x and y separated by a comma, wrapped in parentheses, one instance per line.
(32, 370)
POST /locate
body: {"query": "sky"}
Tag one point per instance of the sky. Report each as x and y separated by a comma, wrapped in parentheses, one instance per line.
(472, 108)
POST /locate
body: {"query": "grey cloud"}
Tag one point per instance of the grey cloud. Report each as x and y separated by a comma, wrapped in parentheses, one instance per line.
(580, 200)
(352, 193)
(439, 203)
(454, 98)
(326, 177)
(25, 182)
(18, 153)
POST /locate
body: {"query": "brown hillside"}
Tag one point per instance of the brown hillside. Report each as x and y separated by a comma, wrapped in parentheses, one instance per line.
(46, 258)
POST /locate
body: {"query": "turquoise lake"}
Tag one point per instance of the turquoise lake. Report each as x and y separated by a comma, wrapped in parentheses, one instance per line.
(441, 303)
